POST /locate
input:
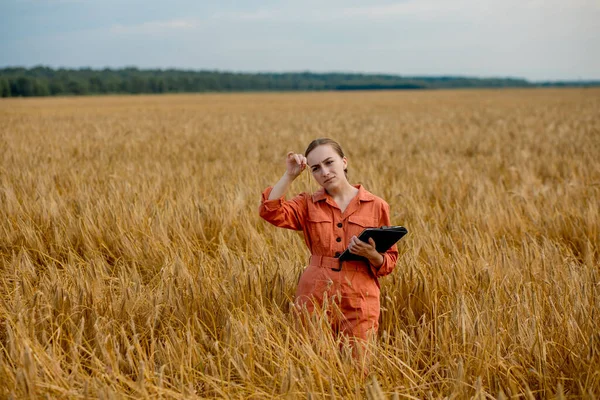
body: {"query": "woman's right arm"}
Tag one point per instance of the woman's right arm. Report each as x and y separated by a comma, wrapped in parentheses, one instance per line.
(274, 208)
(295, 164)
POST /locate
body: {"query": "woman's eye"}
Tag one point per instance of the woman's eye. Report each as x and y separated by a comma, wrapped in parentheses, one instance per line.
(328, 162)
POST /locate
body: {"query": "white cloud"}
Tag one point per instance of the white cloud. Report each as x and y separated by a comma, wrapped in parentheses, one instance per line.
(153, 27)
(257, 15)
(399, 9)
(41, 2)
(460, 9)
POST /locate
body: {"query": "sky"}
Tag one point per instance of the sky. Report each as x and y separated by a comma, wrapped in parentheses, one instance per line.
(537, 40)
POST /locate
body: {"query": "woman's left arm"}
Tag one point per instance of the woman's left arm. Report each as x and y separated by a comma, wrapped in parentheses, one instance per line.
(391, 255)
(380, 263)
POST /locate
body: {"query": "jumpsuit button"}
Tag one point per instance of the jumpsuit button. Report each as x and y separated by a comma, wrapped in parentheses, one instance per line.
(340, 225)
(337, 254)
(338, 239)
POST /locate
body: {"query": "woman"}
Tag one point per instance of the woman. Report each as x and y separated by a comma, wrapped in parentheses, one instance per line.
(331, 219)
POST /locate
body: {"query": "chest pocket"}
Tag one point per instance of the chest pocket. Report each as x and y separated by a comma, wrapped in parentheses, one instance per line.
(319, 232)
(357, 223)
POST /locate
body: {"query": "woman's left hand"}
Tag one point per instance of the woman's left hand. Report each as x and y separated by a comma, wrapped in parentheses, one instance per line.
(367, 250)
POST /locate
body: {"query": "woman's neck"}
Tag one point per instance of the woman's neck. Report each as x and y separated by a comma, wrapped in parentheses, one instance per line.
(344, 190)
(343, 195)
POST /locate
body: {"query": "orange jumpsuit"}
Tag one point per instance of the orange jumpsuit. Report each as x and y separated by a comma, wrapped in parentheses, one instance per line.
(327, 232)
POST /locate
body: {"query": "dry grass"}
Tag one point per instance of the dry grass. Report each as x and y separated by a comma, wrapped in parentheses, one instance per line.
(133, 262)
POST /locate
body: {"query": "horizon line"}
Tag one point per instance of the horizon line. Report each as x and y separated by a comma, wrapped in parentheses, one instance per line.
(306, 71)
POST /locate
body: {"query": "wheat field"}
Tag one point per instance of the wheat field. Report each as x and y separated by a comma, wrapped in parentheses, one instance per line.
(133, 262)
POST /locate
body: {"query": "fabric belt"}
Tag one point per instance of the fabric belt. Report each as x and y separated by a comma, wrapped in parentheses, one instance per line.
(335, 264)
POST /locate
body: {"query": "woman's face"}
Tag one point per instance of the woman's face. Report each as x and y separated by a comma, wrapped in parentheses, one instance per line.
(327, 167)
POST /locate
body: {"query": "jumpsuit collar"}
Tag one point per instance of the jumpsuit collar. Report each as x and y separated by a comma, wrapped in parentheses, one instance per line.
(363, 195)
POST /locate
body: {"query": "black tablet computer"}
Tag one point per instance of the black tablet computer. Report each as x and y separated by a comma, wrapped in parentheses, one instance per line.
(384, 238)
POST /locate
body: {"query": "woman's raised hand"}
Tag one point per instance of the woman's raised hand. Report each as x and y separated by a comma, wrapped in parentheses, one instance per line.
(295, 163)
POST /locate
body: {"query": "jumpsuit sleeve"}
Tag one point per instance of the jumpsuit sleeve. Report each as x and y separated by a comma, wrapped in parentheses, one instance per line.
(283, 213)
(391, 256)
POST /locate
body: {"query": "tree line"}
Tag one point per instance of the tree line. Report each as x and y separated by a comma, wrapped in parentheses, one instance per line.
(46, 81)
